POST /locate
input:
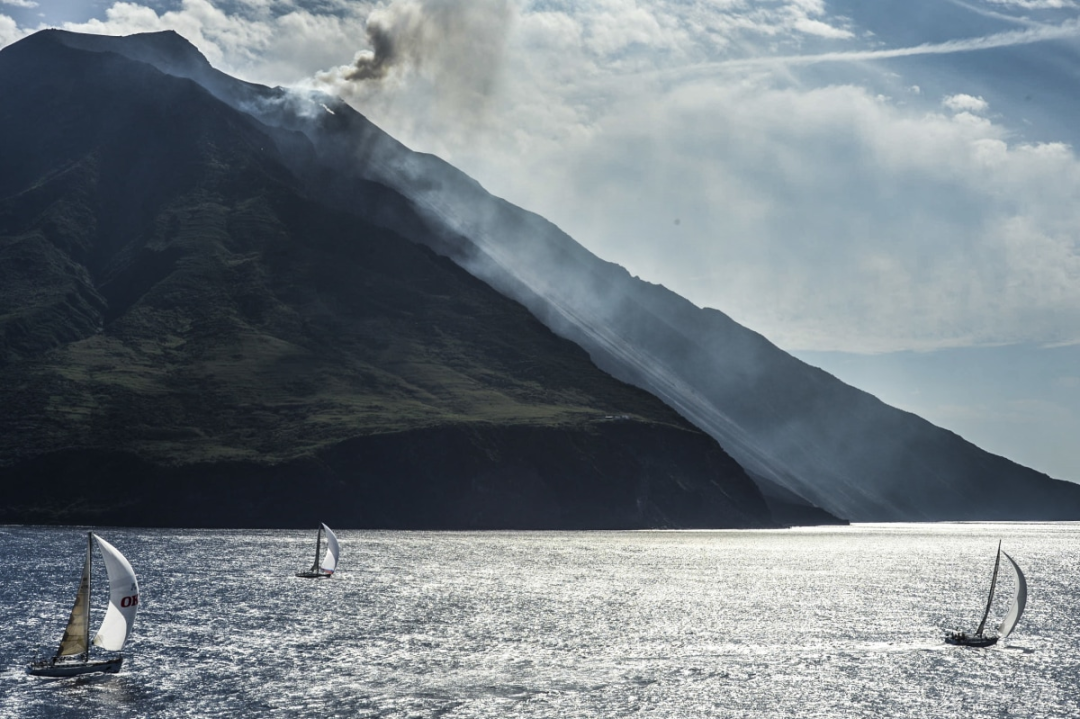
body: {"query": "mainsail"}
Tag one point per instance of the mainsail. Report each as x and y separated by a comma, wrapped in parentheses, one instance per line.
(123, 599)
(990, 599)
(333, 551)
(77, 635)
(318, 548)
(1018, 602)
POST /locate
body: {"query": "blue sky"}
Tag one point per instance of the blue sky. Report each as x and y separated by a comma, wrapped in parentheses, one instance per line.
(887, 189)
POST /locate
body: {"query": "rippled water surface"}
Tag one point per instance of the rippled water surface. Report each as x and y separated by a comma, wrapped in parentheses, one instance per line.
(822, 622)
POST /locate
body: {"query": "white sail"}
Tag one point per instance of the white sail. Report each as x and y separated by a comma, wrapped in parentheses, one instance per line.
(333, 551)
(123, 599)
(1018, 602)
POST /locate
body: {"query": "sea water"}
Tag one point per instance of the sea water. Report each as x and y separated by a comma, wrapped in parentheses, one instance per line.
(817, 622)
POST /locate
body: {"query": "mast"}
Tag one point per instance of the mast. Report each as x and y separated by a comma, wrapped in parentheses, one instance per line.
(89, 581)
(318, 543)
(990, 599)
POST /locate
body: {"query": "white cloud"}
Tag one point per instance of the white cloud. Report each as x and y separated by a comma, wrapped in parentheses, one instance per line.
(1034, 33)
(821, 29)
(28, 4)
(965, 103)
(827, 219)
(1035, 4)
(616, 26)
(9, 31)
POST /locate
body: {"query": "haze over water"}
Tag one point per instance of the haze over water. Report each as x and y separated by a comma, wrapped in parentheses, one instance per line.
(819, 622)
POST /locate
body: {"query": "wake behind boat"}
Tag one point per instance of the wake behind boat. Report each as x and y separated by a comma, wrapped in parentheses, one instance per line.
(73, 656)
(1012, 617)
(329, 563)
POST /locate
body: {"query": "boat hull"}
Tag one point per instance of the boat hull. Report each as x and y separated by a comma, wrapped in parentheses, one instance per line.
(53, 668)
(970, 641)
(314, 575)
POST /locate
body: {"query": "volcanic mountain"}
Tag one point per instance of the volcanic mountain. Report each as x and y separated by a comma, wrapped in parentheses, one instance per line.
(191, 336)
(800, 433)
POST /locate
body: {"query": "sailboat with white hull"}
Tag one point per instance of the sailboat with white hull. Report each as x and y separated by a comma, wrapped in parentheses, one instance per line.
(326, 567)
(1012, 617)
(73, 656)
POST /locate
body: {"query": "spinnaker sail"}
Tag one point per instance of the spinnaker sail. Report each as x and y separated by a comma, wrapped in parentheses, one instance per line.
(333, 551)
(1019, 601)
(123, 599)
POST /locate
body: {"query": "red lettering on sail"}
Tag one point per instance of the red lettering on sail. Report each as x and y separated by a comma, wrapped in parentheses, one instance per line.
(129, 601)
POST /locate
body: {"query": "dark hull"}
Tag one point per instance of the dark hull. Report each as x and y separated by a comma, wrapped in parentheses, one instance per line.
(966, 641)
(54, 668)
(314, 575)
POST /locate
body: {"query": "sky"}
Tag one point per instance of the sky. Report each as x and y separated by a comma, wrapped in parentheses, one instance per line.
(889, 190)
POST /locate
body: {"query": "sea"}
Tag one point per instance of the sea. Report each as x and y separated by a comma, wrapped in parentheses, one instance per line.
(806, 622)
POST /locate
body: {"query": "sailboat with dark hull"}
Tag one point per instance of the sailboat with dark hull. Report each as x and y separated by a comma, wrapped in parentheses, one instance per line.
(73, 656)
(325, 568)
(1012, 617)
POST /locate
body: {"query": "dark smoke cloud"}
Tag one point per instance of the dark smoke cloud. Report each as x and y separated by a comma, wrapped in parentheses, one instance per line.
(459, 45)
(373, 66)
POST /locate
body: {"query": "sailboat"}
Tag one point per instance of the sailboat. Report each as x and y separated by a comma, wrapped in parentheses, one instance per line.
(329, 562)
(1016, 609)
(73, 656)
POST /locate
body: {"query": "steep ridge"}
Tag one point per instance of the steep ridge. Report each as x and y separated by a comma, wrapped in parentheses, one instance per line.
(788, 423)
(190, 336)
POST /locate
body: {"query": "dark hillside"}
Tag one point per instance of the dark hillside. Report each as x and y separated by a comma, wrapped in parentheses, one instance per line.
(189, 336)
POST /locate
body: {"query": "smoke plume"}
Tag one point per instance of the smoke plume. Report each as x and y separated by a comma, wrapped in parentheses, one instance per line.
(456, 43)
(431, 70)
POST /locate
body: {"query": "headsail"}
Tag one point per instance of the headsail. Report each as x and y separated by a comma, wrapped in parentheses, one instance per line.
(77, 635)
(333, 551)
(1019, 601)
(123, 599)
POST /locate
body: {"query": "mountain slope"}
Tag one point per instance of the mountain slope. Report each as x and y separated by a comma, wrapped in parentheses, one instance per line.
(190, 336)
(786, 422)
